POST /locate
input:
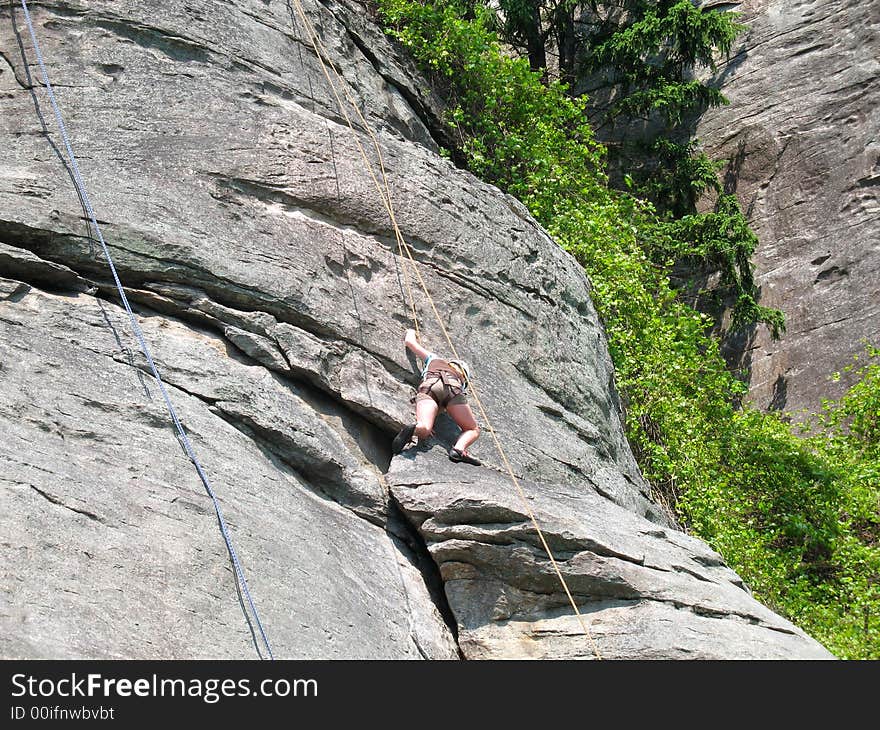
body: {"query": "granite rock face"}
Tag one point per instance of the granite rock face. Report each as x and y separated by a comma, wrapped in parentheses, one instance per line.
(642, 590)
(801, 138)
(264, 272)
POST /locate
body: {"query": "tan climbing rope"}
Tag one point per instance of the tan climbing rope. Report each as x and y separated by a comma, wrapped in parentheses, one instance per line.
(384, 191)
(323, 59)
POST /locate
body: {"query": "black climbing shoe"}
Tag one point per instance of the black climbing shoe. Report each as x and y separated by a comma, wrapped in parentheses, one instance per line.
(456, 455)
(402, 439)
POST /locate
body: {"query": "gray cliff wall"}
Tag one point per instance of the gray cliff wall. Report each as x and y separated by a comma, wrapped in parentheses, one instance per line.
(263, 270)
(801, 136)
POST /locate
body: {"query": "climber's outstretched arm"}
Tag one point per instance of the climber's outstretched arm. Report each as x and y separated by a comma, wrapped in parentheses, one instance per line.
(412, 343)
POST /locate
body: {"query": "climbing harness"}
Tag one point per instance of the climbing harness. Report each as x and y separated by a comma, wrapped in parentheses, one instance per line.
(443, 387)
(404, 248)
(241, 582)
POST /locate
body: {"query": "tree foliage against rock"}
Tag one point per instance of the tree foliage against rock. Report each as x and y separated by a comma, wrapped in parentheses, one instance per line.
(797, 518)
(633, 63)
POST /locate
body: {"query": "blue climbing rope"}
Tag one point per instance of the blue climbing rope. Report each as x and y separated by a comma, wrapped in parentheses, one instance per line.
(81, 189)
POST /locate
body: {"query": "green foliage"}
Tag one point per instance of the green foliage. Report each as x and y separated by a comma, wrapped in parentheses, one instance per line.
(517, 135)
(796, 517)
(680, 175)
(511, 129)
(724, 240)
(648, 53)
(650, 49)
(856, 418)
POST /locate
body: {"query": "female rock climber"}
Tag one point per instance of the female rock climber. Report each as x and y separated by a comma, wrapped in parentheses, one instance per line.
(443, 386)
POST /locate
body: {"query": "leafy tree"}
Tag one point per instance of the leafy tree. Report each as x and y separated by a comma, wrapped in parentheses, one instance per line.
(536, 27)
(521, 22)
(637, 58)
(647, 50)
(798, 518)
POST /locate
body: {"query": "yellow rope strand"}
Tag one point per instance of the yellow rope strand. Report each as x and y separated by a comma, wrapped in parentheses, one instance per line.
(385, 197)
(403, 247)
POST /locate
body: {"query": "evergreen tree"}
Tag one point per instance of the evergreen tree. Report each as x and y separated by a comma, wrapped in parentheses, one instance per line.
(637, 60)
(648, 50)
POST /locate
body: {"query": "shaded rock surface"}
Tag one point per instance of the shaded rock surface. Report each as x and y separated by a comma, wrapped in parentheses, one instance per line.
(801, 138)
(265, 274)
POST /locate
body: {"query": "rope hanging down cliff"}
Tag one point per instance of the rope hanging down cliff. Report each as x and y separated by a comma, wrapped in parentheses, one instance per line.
(384, 192)
(184, 440)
